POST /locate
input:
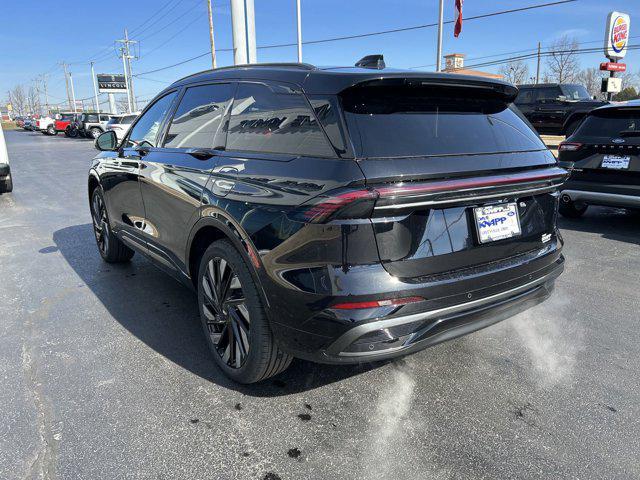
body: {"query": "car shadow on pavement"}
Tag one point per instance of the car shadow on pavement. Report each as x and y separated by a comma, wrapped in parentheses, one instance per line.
(163, 314)
(611, 223)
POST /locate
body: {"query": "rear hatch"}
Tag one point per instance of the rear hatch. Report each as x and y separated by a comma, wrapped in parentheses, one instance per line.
(462, 178)
(605, 150)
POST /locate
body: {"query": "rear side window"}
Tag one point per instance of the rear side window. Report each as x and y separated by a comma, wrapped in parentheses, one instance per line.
(199, 116)
(104, 118)
(145, 131)
(547, 93)
(525, 96)
(90, 117)
(611, 123)
(275, 119)
(396, 121)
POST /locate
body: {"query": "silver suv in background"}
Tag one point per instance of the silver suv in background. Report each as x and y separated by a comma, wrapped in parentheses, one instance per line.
(120, 124)
(91, 125)
(6, 184)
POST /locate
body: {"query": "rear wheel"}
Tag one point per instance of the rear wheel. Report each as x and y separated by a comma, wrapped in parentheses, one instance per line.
(111, 249)
(94, 133)
(571, 209)
(6, 185)
(233, 318)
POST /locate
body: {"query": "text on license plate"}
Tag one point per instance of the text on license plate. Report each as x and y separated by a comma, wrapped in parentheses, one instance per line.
(497, 222)
(615, 162)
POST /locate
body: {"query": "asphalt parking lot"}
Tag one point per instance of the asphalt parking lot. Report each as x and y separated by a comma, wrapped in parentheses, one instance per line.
(106, 375)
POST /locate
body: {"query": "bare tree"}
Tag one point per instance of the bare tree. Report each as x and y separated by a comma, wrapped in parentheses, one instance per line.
(591, 78)
(516, 72)
(18, 99)
(562, 62)
(33, 101)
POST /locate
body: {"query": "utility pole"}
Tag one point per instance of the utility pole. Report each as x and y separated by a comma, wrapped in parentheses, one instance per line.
(46, 94)
(440, 24)
(213, 43)
(125, 53)
(538, 67)
(73, 93)
(95, 88)
(66, 81)
(299, 17)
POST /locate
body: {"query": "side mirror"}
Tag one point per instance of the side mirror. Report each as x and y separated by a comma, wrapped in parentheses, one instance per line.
(107, 141)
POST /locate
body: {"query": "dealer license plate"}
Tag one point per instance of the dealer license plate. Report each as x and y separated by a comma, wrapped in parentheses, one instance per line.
(615, 162)
(497, 222)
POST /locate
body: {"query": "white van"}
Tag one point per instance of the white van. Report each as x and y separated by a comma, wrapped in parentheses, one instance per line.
(6, 185)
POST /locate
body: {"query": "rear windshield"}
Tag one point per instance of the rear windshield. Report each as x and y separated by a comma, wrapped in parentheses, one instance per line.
(402, 121)
(611, 123)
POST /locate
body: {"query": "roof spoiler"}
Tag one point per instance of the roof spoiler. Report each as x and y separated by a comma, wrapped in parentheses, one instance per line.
(374, 62)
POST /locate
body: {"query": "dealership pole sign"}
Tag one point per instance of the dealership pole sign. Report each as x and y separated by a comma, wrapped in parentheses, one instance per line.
(108, 83)
(616, 35)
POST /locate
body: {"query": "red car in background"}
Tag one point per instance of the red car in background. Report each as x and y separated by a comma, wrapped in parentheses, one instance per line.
(62, 121)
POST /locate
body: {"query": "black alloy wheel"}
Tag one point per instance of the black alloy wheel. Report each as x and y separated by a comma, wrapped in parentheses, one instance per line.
(111, 249)
(233, 317)
(227, 317)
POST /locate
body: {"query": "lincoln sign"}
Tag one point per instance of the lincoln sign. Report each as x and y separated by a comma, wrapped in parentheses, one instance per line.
(108, 83)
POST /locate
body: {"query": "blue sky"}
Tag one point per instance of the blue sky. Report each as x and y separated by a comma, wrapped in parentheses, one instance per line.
(36, 35)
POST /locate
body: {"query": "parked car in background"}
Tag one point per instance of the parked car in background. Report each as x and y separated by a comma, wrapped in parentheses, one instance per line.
(121, 123)
(339, 215)
(555, 108)
(6, 182)
(91, 125)
(19, 121)
(28, 123)
(603, 156)
(73, 127)
(45, 124)
(62, 121)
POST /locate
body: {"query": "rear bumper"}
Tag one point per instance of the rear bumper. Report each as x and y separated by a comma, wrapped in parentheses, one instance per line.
(602, 198)
(430, 322)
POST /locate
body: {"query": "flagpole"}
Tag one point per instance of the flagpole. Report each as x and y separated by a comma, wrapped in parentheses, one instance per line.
(440, 22)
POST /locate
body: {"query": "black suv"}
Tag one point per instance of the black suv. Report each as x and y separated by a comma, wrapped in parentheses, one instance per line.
(604, 158)
(553, 108)
(339, 215)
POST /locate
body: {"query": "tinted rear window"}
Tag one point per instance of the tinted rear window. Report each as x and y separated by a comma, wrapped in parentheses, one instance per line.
(419, 121)
(610, 123)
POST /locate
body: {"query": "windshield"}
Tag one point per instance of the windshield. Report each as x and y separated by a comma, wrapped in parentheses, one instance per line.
(420, 121)
(611, 123)
(575, 92)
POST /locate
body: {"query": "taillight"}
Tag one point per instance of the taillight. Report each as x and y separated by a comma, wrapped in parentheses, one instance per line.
(394, 302)
(338, 205)
(569, 147)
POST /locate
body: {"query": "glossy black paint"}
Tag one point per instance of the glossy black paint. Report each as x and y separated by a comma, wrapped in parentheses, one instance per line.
(165, 202)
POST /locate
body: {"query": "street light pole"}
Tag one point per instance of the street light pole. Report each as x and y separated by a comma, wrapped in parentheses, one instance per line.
(299, 17)
(95, 90)
(73, 92)
(440, 23)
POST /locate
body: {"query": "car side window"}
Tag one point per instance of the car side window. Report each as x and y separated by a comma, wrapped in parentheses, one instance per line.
(104, 118)
(275, 119)
(145, 131)
(199, 116)
(524, 96)
(547, 93)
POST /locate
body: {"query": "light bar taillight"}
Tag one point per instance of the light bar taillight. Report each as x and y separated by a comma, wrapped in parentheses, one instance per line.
(394, 302)
(350, 203)
(569, 147)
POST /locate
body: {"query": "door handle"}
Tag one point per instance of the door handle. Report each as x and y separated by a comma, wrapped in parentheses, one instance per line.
(200, 153)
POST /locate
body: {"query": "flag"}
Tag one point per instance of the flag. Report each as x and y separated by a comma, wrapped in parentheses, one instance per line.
(458, 26)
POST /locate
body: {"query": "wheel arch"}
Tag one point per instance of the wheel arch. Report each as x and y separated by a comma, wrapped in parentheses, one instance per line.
(92, 183)
(212, 228)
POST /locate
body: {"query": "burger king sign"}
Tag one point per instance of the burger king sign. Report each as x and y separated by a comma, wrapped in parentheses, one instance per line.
(616, 35)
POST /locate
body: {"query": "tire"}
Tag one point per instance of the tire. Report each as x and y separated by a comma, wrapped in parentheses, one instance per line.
(572, 210)
(571, 127)
(6, 186)
(236, 328)
(111, 249)
(73, 133)
(94, 133)
(51, 130)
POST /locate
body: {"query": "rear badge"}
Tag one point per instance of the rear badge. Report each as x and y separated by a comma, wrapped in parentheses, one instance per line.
(618, 140)
(546, 237)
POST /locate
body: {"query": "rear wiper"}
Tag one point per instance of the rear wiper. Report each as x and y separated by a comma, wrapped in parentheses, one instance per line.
(630, 133)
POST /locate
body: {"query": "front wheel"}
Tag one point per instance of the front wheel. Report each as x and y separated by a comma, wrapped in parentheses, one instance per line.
(51, 130)
(571, 209)
(6, 185)
(233, 317)
(111, 249)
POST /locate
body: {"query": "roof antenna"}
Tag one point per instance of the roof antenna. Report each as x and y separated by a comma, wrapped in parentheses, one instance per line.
(374, 62)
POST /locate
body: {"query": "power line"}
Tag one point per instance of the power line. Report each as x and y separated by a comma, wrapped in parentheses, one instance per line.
(140, 32)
